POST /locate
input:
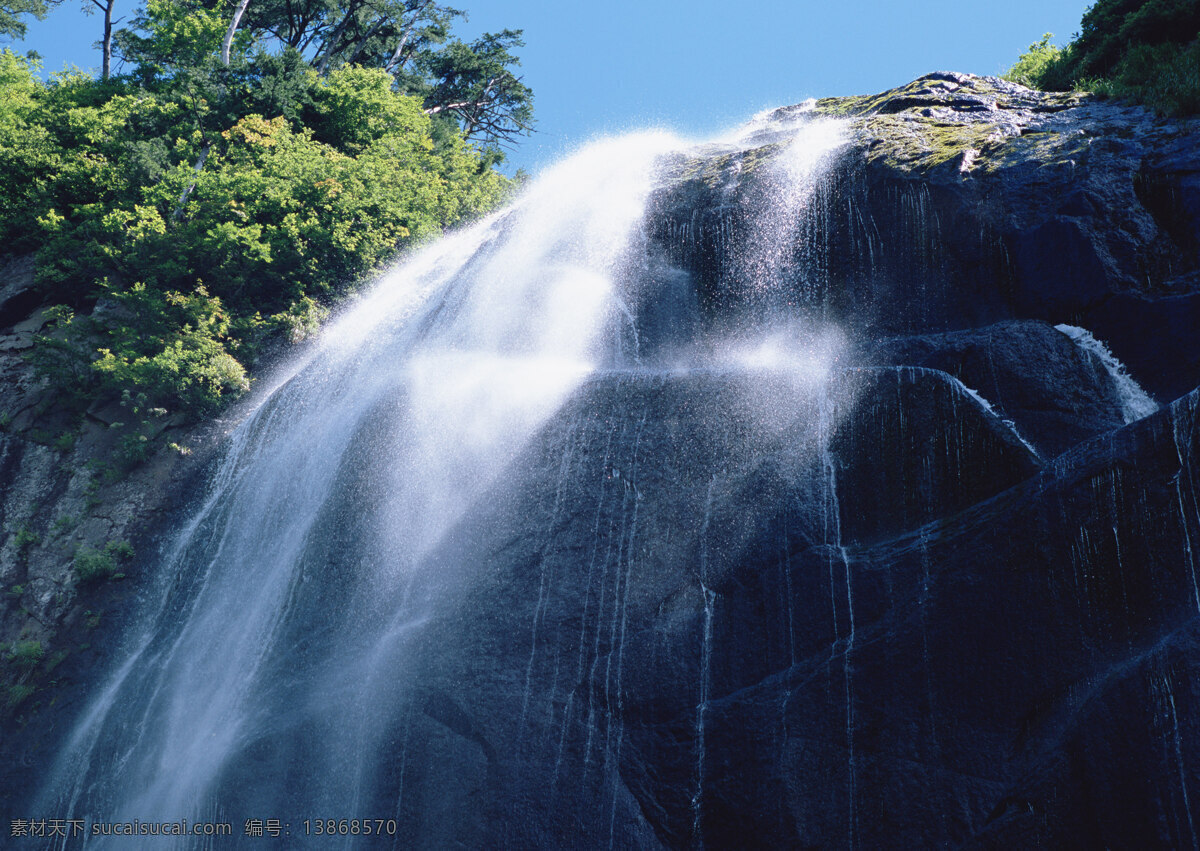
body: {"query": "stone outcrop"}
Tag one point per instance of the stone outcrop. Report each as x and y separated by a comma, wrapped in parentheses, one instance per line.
(944, 595)
(1017, 671)
(963, 201)
(894, 612)
(67, 492)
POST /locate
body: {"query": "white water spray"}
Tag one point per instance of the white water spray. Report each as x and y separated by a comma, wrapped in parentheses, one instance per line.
(443, 370)
(1135, 402)
(283, 609)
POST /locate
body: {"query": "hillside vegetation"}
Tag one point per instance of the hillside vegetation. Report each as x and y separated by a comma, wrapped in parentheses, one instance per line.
(202, 209)
(1145, 50)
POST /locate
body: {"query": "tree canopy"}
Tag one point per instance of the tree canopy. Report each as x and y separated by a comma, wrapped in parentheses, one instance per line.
(1146, 50)
(471, 83)
(11, 25)
(213, 199)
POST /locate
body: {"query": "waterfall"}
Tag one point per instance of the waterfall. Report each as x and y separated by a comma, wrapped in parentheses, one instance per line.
(272, 648)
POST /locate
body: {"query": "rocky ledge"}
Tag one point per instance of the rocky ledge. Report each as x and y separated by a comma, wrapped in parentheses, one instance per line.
(960, 201)
(78, 513)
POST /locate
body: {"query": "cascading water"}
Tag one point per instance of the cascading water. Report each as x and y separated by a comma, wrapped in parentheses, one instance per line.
(280, 656)
(1135, 403)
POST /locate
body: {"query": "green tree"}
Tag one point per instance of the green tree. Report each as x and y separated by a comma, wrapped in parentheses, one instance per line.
(475, 82)
(216, 200)
(1031, 65)
(11, 25)
(1146, 50)
(1110, 29)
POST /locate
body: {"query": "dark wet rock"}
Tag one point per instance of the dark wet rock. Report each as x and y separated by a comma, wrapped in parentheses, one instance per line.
(924, 634)
(915, 446)
(915, 677)
(1055, 393)
(963, 201)
(18, 295)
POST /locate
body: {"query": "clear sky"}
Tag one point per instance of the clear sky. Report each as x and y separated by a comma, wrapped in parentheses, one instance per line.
(698, 67)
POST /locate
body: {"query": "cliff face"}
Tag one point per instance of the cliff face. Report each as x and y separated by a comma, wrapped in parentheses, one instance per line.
(942, 590)
(969, 200)
(77, 518)
(890, 615)
(958, 648)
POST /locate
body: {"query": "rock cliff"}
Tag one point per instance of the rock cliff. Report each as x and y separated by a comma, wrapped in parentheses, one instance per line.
(942, 592)
(729, 612)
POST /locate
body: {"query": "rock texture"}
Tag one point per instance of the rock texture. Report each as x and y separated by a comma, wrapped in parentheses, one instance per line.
(945, 595)
(1011, 667)
(65, 490)
(964, 201)
(739, 613)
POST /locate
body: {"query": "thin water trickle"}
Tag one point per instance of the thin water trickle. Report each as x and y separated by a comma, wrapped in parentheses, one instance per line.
(834, 544)
(709, 600)
(1135, 402)
(1177, 741)
(1186, 517)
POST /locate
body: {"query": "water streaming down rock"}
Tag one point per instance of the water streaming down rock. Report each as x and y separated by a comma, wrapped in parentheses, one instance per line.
(275, 664)
(589, 528)
(1135, 403)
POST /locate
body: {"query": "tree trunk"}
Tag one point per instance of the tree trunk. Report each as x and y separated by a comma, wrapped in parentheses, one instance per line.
(362, 42)
(106, 6)
(199, 166)
(106, 68)
(332, 41)
(233, 25)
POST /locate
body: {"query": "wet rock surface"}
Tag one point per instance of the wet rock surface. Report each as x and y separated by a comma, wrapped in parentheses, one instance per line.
(962, 201)
(639, 658)
(952, 617)
(943, 595)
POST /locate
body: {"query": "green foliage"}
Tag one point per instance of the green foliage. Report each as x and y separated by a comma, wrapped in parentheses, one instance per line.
(1032, 64)
(60, 355)
(16, 694)
(471, 87)
(96, 565)
(355, 108)
(1111, 29)
(167, 347)
(1164, 77)
(188, 215)
(65, 523)
(11, 24)
(172, 36)
(1144, 50)
(28, 156)
(24, 537)
(476, 84)
(26, 655)
(91, 493)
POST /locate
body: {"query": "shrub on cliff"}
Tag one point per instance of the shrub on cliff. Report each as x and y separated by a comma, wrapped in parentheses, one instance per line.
(1144, 50)
(1032, 64)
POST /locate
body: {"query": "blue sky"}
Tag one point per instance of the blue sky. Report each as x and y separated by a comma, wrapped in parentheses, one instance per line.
(700, 67)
